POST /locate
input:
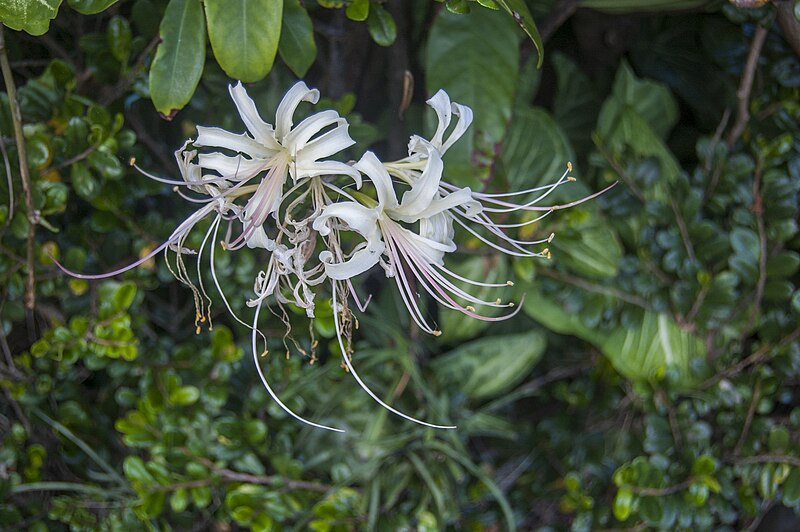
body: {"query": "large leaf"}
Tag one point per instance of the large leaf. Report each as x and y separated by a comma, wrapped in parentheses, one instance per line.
(535, 151)
(477, 71)
(457, 326)
(644, 349)
(32, 17)
(244, 35)
(576, 104)
(180, 57)
(556, 317)
(90, 7)
(590, 249)
(490, 366)
(635, 119)
(519, 11)
(297, 47)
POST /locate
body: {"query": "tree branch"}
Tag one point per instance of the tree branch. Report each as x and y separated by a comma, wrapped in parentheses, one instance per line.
(746, 86)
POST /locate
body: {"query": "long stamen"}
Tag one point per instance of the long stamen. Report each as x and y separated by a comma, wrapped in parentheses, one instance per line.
(358, 379)
(269, 389)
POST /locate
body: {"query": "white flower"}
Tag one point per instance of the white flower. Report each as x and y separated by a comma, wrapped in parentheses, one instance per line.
(276, 152)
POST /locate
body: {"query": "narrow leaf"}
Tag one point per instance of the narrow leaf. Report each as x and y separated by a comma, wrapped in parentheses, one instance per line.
(518, 9)
(180, 57)
(244, 35)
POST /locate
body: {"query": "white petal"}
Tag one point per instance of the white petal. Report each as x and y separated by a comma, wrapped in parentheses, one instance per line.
(439, 205)
(440, 102)
(431, 251)
(311, 169)
(283, 117)
(361, 220)
(464, 120)
(215, 137)
(372, 167)
(438, 228)
(262, 131)
(423, 191)
(259, 239)
(237, 167)
(327, 144)
(296, 139)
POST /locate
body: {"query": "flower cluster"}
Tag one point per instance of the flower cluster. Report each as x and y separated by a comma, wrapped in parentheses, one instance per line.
(324, 222)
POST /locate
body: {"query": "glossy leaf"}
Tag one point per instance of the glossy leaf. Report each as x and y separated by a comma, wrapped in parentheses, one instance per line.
(297, 47)
(381, 25)
(645, 348)
(180, 57)
(478, 72)
(91, 7)
(32, 17)
(519, 11)
(487, 367)
(244, 35)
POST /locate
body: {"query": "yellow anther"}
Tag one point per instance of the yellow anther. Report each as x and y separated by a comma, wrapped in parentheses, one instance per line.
(570, 178)
(437, 332)
(175, 189)
(287, 355)
(549, 255)
(510, 303)
(551, 237)
(569, 166)
(470, 308)
(197, 330)
(509, 283)
(314, 344)
(223, 245)
(265, 353)
(545, 251)
(498, 301)
(132, 161)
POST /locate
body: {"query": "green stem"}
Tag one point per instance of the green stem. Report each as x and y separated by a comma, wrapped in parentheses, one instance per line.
(16, 118)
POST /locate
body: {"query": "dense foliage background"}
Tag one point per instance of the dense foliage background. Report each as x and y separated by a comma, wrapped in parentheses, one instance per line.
(651, 381)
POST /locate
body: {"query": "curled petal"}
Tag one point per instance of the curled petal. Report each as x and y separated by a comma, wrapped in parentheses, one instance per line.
(363, 221)
(464, 114)
(303, 169)
(374, 169)
(328, 143)
(215, 137)
(261, 130)
(283, 117)
(237, 167)
(423, 191)
(440, 102)
(296, 139)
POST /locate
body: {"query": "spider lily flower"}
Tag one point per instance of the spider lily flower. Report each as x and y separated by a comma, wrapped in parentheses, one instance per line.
(410, 258)
(278, 153)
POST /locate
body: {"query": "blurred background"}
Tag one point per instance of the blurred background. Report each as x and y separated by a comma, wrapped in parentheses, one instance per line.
(650, 381)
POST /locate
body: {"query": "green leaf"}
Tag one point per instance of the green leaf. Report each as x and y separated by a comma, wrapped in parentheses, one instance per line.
(179, 500)
(576, 103)
(645, 348)
(90, 7)
(381, 26)
(591, 250)
(297, 47)
(535, 151)
(136, 471)
(123, 295)
(623, 504)
(180, 57)
(119, 39)
(519, 11)
(32, 17)
(556, 316)
(487, 367)
(185, 395)
(244, 35)
(791, 487)
(479, 72)
(358, 10)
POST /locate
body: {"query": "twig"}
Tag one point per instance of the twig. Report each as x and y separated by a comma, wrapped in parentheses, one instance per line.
(597, 289)
(755, 358)
(16, 118)
(768, 459)
(746, 86)
(672, 418)
(10, 180)
(69, 162)
(660, 492)
(562, 10)
(122, 85)
(758, 211)
(751, 411)
(621, 173)
(687, 243)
